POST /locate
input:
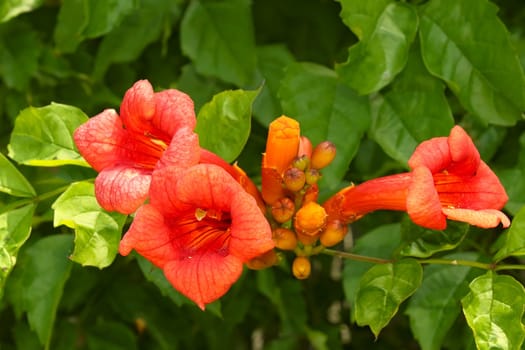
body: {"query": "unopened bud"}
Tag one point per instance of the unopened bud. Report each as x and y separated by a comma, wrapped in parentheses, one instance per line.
(311, 194)
(301, 162)
(294, 179)
(305, 147)
(333, 233)
(310, 219)
(301, 267)
(284, 238)
(322, 155)
(283, 209)
(263, 261)
(312, 176)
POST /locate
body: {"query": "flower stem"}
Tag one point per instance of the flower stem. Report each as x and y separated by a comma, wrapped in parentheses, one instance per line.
(356, 257)
(454, 262)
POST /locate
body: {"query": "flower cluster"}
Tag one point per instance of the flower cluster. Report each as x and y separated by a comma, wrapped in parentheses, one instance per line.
(200, 219)
(201, 223)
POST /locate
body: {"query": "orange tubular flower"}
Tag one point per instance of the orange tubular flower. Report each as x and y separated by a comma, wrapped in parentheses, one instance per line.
(448, 180)
(200, 227)
(281, 149)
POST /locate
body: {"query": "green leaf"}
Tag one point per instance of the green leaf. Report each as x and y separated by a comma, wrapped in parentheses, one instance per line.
(382, 289)
(327, 110)
(224, 123)
(156, 276)
(44, 136)
(421, 242)
(378, 243)
(140, 28)
(82, 19)
(414, 109)
(435, 306)
(465, 44)
(97, 232)
(15, 227)
(224, 31)
(12, 181)
(42, 272)
(513, 240)
(513, 179)
(21, 50)
(12, 8)
(494, 309)
(386, 31)
(271, 63)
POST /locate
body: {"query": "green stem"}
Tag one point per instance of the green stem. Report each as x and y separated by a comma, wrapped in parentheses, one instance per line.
(357, 257)
(457, 262)
(454, 262)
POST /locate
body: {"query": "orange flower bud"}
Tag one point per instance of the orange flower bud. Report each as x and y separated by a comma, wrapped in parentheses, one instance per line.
(268, 259)
(305, 147)
(307, 238)
(322, 155)
(301, 267)
(311, 194)
(283, 209)
(294, 179)
(310, 219)
(282, 144)
(312, 176)
(284, 238)
(333, 233)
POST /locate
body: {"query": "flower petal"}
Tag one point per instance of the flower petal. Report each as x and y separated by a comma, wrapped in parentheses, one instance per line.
(482, 191)
(282, 143)
(464, 154)
(433, 154)
(486, 218)
(138, 107)
(149, 236)
(173, 110)
(99, 139)
(204, 278)
(251, 234)
(423, 205)
(122, 189)
(207, 186)
(163, 190)
(183, 150)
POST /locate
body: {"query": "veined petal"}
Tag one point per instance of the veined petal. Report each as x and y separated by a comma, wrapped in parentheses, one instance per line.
(122, 189)
(138, 107)
(173, 110)
(423, 205)
(204, 278)
(100, 139)
(207, 186)
(183, 150)
(464, 154)
(149, 236)
(163, 190)
(486, 218)
(433, 154)
(251, 234)
(481, 191)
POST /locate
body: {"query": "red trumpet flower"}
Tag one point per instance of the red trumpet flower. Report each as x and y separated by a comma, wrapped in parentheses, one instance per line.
(200, 227)
(448, 180)
(126, 149)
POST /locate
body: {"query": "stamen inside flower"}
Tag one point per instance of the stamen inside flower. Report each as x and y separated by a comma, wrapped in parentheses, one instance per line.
(202, 229)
